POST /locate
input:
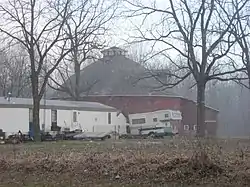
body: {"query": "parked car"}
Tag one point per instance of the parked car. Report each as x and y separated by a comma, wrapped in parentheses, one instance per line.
(156, 131)
(92, 136)
(70, 135)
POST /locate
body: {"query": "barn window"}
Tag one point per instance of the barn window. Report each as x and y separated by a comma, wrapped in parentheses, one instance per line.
(53, 115)
(138, 121)
(195, 127)
(109, 118)
(154, 119)
(74, 117)
(186, 127)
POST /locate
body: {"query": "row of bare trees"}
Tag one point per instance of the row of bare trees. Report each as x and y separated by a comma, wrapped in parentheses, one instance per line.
(205, 39)
(50, 33)
(14, 73)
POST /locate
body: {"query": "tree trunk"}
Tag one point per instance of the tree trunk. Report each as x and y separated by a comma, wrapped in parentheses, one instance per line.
(77, 83)
(36, 109)
(36, 118)
(201, 110)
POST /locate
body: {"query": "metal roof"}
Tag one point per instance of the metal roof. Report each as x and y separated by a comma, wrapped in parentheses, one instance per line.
(55, 104)
(117, 75)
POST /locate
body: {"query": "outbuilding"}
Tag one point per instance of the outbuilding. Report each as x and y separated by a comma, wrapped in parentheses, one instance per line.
(16, 114)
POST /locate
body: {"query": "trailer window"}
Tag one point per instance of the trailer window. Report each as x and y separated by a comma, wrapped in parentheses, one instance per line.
(74, 117)
(53, 115)
(154, 119)
(176, 115)
(109, 118)
(138, 121)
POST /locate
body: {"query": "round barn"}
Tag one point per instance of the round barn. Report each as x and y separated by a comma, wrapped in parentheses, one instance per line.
(116, 80)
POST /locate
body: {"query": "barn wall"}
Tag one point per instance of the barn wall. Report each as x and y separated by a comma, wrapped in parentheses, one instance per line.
(142, 104)
(137, 104)
(189, 115)
(14, 119)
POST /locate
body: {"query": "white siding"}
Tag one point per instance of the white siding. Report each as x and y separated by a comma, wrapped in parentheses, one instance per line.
(47, 113)
(98, 121)
(119, 120)
(91, 121)
(160, 115)
(64, 118)
(14, 119)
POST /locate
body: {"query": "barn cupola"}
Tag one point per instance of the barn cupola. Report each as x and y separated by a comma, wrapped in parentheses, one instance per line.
(114, 51)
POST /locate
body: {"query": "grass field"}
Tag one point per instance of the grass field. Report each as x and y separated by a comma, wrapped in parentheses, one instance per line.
(168, 162)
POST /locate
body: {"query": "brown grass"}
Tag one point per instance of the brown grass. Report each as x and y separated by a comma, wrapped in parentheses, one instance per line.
(126, 163)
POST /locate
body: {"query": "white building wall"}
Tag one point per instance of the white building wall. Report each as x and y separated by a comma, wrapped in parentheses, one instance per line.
(45, 118)
(91, 121)
(14, 119)
(64, 118)
(120, 122)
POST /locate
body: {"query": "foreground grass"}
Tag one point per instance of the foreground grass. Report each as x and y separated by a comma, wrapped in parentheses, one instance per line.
(168, 162)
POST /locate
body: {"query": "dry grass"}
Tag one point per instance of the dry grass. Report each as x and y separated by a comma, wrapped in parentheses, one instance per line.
(126, 163)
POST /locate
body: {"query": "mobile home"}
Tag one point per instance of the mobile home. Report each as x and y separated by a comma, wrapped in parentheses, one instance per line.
(16, 114)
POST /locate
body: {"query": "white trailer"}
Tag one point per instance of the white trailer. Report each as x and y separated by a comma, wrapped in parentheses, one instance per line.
(157, 122)
(16, 114)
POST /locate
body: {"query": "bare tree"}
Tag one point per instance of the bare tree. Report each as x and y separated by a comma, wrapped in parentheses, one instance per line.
(14, 73)
(86, 29)
(37, 25)
(241, 32)
(198, 32)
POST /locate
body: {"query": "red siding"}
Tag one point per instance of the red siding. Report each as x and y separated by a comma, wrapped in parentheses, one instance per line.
(189, 116)
(137, 104)
(140, 104)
